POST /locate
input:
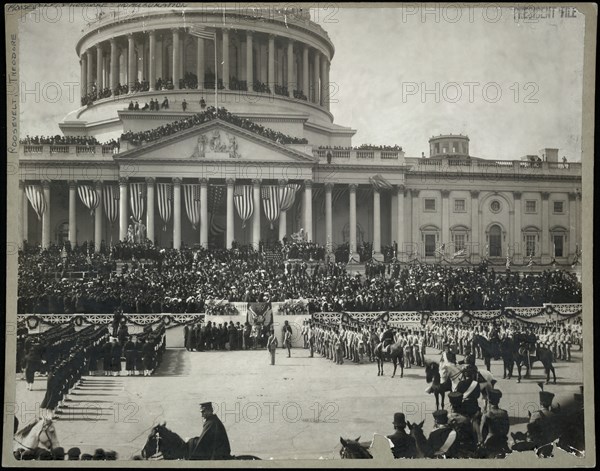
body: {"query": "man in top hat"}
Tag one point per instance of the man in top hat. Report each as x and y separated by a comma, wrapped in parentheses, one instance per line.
(494, 428)
(403, 444)
(213, 442)
(442, 440)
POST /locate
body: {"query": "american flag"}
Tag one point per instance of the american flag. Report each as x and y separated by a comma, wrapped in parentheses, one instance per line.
(244, 203)
(89, 196)
(216, 206)
(165, 197)
(137, 198)
(460, 253)
(111, 198)
(270, 200)
(441, 250)
(192, 203)
(36, 198)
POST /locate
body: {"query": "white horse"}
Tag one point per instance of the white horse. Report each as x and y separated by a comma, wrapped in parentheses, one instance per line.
(485, 379)
(39, 433)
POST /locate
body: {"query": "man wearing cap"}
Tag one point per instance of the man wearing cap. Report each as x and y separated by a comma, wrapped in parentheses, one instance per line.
(461, 424)
(442, 440)
(537, 431)
(272, 345)
(494, 428)
(403, 444)
(213, 443)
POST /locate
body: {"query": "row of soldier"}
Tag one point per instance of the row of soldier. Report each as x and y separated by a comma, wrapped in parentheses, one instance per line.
(200, 336)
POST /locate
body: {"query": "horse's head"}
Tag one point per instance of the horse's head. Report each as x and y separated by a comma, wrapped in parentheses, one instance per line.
(431, 370)
(416, 430)
(163, 442)
(352, 449)
(38, 433)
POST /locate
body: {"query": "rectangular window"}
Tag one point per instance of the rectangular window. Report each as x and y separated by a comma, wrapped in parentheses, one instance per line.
(459, 242)
(455, 147)
(459, 206)
(530, 245)
(558, 245)
(530, 206)
(429, 204)
(558, 207)
(444, 150)
(429, 245)
(437, 147)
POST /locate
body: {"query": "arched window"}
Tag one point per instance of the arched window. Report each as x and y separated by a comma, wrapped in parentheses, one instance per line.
(495, 241)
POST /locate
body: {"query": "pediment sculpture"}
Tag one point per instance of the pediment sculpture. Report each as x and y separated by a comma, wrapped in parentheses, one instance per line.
(214, 143)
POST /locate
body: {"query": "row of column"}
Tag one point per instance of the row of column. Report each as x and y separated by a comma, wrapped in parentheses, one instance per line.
(316, 88)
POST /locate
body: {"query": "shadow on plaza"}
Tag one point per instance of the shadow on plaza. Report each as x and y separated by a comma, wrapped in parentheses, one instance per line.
(174, 363)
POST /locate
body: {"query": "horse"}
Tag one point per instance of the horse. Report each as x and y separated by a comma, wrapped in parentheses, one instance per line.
(489, 349)
(395, 353)
(451, 372)
(423, 449)
(353, 449)
(507, 351)
(39, 433)
(432, 376)
(163, 443)
(522, 357)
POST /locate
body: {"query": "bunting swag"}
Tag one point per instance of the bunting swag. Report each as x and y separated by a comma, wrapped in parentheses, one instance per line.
(216, 208)
(260, 314)
(89, 196)
(192, 203)
(270, 200)
(165, 197)
(111, 196)
(36, 198)
(287, 196)
(217, 225)
(136, 198)
(380, 183)
(242, 197)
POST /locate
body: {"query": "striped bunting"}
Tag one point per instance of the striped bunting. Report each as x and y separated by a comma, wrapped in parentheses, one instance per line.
(89, 197)
(192, 202)
(287, 196)
(242, 197)
(270, 200)
(165, 198)
(137, 196)
(36, 198)
(111, 198)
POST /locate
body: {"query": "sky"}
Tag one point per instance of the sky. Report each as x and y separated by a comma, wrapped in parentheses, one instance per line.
(399, 76)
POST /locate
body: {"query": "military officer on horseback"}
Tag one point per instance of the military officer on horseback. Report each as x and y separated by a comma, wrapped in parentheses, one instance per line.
(213, 442)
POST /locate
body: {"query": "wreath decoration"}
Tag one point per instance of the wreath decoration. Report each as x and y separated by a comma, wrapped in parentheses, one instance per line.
(33, 322)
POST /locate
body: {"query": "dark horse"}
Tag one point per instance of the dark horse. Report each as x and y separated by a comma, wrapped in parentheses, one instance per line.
(432, 376)
(394, 352)
(353, 449)
(522, 356)
(167, 445)
(489, 349)
(423, 449)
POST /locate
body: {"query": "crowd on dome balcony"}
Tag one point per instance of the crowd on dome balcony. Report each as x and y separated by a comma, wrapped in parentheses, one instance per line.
(394, 148)
(281, 90)
(260, 87)
(59, 140)
(167, 280)
(209, 114)
(299, 95)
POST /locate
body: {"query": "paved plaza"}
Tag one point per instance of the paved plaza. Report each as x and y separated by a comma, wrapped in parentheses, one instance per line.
(298, 408)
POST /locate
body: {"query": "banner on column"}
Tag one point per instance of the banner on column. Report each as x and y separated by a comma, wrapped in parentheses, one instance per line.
(137, 196)
(89, 197)
(270, 200)
(165, 197)
(242, 197)
(111, 206)
(192, 203)
(36, 198)
(260, 314)
(216, 209)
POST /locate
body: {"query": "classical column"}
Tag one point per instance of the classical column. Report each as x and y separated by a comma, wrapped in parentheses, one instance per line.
(305, 82)
(226, 58)
(114, 64)
(230, 214)
(517, 228)
(377, 224)
(328, 217)
(256, 214)
(204, 212)
(152, 61)
(416, 239)
(97, 218)
(324, 85)
(90, 70)
(131, 65)
(73, 213)
(545, 252)
(409, 244)
(249, 61)
(475, 231)
(271, 66)
(46, 215)
(282, 214)
(308, 219)
(150, 211)
(83, 63)
(176, 213)
(572, 234)
(445, 217)
(352, 223)
(22, 213)
(291, 86)
(176, 58)
(99, 63)
(316, 75)
(400, 220)
(200, 62)
(123, 208)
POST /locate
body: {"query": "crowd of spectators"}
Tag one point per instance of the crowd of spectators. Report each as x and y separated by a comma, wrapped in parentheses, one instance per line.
(59, 454)
(299, 95)
(167, 280)
(59, 140)
(393, 148)
(209, 114)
